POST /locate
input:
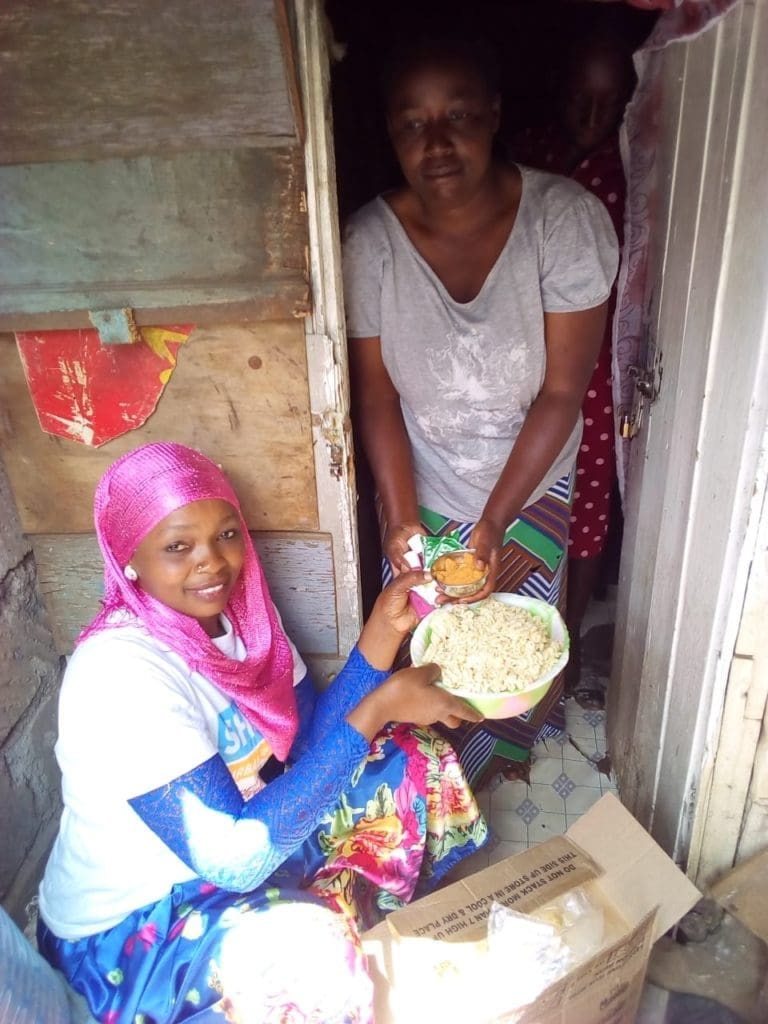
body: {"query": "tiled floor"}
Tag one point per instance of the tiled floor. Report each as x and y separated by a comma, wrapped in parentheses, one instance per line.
(565, 782)
(565, 777)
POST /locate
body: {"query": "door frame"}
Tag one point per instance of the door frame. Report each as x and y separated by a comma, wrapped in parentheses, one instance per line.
(326, 335)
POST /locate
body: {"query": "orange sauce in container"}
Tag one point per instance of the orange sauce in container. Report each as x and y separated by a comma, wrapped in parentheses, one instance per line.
(457, 569)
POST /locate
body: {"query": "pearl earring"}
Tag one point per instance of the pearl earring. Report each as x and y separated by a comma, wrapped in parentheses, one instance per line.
(130, 573)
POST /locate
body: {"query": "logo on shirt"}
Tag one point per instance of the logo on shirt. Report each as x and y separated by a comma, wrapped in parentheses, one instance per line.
(244, 750)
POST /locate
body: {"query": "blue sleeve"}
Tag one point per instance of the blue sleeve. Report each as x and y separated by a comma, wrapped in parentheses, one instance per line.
(237, 844)
(321, 713)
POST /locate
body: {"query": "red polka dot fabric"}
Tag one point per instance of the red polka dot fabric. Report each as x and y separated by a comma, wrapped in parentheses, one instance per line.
(602, 174)
(595, 466)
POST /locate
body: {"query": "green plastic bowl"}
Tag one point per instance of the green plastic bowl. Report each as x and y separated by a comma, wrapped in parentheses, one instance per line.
(513, 702)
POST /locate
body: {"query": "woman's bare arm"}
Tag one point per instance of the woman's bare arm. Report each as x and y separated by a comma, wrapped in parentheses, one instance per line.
(572, 345)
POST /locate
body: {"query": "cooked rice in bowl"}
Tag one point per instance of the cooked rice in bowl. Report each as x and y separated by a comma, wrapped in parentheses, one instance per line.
(491, 647)
(493, 666)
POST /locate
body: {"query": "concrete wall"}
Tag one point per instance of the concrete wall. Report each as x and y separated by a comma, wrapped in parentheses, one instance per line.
(29, 678)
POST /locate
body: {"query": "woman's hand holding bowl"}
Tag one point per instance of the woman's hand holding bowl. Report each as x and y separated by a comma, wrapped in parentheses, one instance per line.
(410, 695)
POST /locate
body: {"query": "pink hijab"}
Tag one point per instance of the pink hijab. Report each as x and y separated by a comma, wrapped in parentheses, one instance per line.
(139, 490)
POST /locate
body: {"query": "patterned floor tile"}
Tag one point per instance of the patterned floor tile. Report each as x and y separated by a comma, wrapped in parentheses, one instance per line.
(583, 773)
(580, 749)
(528, 811)
(572, 709)
(546, 798)
(546, 769)
(484, 801)
(545, 826)
(507, 796)
(580, 728)
(580, 801)
(551, 746)
(595, 718)
(510, 827)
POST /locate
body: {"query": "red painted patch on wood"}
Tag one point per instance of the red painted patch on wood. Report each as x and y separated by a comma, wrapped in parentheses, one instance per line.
(92, 393)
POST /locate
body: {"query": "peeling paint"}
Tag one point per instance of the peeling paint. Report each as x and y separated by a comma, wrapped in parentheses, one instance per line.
(332, 430)
(76, 428)
(91, 393)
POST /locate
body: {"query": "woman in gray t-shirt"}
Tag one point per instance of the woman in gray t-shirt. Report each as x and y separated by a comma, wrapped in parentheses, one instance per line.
(476, 298)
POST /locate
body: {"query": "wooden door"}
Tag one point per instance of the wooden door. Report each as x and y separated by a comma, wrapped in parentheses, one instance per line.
(233, 231)
(694, 465)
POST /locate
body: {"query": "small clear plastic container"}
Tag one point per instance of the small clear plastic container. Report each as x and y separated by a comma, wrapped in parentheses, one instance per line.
(457, 573)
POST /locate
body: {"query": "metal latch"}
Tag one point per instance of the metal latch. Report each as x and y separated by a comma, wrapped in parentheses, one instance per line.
(647, 385)
(645, 382)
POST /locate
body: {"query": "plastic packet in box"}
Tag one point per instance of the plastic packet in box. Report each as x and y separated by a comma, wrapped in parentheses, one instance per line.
(429, 960)
(545, 944)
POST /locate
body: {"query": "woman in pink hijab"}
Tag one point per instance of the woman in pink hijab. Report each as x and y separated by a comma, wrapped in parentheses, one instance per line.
(226, 829)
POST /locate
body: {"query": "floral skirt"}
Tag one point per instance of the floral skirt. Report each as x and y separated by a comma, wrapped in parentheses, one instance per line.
(289, 951)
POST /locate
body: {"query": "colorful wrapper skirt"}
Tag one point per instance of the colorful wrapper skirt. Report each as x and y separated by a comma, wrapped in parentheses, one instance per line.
(533, 562)
(289, 952)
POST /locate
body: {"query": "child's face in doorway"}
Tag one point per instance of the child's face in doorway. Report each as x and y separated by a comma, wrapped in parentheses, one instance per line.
(593, 97)
(192, 560)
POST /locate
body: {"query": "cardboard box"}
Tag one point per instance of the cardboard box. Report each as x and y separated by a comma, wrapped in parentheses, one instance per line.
(428, 960)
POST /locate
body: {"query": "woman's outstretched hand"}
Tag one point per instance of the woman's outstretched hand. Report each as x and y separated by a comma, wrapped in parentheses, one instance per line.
(410, 695)
(392, 604)
(395, 544)
(392, 618)
(487, 539)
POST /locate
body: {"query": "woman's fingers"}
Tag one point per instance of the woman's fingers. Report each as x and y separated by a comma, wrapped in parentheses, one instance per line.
(451, 722)
(421, 676)
(396, 545)
(393, 605)
(489, 587)
(418, 700)
(467, 714)
(461, 711)
(410, 695)
(487, 540)
(406, 580)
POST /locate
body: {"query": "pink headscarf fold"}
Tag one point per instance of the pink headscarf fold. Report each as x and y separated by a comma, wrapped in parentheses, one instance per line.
(139, 490)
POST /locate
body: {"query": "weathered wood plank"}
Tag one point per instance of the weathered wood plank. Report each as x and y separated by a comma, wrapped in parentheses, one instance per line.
(298, 567)
(174, 238)
(240, 394)
(85, 79)
(286, 30)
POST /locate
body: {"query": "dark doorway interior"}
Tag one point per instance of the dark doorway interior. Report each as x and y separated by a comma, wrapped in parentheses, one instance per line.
(530, 37)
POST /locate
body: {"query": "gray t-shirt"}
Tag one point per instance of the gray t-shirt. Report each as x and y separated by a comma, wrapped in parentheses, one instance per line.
(468, 372)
